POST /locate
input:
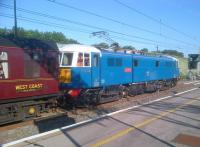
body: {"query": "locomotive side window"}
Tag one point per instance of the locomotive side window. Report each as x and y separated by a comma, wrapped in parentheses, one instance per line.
(31, 65)
(67, 59)
(110, 61)
(86, 59)
(118, 62)
(135, 62)
(157, 63)
(80, 59)
(3, 65)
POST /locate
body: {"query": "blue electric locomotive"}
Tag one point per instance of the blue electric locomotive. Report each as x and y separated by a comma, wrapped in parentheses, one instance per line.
(90, 75)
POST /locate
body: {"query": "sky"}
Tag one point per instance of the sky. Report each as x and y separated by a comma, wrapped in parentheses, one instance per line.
(178, 30)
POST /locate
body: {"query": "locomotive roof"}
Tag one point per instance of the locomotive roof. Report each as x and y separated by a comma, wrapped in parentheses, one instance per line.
(87, 48)
(160, 57)
(157, 57)
(77, 48)
(27, 43)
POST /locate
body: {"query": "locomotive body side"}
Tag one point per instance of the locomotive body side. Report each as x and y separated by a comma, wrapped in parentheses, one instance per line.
(116, 69)
(112, 75)
(16, 85)
(147, 68)
(28, 81)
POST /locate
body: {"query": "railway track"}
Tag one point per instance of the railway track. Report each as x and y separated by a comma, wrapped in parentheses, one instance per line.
(45, 116)
(64, 117)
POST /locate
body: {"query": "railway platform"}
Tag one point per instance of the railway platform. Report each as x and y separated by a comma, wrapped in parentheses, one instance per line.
(170, 121)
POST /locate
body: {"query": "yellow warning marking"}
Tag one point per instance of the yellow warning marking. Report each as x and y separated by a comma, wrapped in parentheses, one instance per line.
(144, 123)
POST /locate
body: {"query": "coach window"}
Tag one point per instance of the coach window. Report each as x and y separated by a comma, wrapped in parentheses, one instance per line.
(3, 65)
(80, 59)
(157, 63)
(86, 59)
(135, 62)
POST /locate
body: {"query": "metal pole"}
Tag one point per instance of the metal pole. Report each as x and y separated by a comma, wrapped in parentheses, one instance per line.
(15, 20)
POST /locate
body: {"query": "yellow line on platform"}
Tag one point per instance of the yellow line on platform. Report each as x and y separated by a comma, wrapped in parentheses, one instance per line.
(144, 123)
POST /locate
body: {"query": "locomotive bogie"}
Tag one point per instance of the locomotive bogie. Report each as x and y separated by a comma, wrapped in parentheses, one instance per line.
(26, 109)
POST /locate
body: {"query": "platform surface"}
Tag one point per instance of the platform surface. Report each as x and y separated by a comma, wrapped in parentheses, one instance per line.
(163, 123)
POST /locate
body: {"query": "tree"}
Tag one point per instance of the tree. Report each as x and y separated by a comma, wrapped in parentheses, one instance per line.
(101, 45)
(115, 45)
(47, 36)
(145, 50)
(173, 53)
(129, 47)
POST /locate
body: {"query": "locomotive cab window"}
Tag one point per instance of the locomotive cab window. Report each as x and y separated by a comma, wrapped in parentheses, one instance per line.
(80, 59)
(67, 59)
(3, 65)
(157, 63)
(60, 58)
(86, 59)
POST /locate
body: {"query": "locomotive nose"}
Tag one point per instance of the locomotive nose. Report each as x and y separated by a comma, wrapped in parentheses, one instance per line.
(65, 75)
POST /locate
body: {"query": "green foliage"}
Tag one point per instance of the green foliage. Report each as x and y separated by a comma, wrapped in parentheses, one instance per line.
(183, 76)
(173, 53)
(101, 45)
(129, 47)
(183, 66)
(115, 45)
(47, 36)
(145, 50)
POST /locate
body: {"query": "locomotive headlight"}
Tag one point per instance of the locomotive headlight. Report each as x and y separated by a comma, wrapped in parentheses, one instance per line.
(31, 110)
(65, 75)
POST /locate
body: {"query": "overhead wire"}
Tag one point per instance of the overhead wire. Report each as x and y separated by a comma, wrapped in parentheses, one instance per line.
(117, 21)
(154, 19)
(46, 23)
(79, 23)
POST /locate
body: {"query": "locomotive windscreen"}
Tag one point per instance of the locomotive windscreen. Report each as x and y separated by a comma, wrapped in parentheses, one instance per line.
(193, 61)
